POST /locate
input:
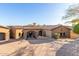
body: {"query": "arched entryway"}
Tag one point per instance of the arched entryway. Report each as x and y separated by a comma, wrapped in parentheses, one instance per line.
(31, 34)
(42, 33)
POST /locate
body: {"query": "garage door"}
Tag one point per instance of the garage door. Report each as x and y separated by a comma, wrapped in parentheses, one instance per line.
(2, 36)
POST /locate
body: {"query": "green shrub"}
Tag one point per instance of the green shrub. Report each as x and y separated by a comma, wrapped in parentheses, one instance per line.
(57, 35)
(76, 29)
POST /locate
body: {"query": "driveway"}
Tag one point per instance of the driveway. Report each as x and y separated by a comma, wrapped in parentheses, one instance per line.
(36, 41)
(47, 47)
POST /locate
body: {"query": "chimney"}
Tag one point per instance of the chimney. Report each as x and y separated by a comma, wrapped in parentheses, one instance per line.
(34, 23)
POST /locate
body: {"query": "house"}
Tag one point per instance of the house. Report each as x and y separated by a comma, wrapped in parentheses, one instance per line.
(4, 33)
(46, 31)
(35, 31)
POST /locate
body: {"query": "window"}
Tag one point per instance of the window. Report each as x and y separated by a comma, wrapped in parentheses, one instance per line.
(64, 34)
(19, 34)
(40, 33)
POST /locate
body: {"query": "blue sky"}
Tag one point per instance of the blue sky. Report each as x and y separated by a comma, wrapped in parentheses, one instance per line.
(23, 14)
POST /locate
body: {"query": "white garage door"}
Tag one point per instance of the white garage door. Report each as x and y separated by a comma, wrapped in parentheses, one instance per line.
(2, 36)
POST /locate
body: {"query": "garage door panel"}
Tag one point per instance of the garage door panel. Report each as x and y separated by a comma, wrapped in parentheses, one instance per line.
(2, 36)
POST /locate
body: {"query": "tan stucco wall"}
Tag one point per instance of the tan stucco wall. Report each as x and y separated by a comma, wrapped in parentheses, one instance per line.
(6, 31)
(48, 33)
(17, 33)
(73, 35)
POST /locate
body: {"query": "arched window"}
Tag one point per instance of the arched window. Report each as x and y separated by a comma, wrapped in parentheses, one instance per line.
(40, 33)
(19, 35)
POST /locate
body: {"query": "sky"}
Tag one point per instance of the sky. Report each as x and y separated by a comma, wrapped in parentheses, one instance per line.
(28, 13)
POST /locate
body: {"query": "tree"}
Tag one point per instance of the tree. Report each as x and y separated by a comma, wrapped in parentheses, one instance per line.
(72, 12)
(74, 21)
(76, 29)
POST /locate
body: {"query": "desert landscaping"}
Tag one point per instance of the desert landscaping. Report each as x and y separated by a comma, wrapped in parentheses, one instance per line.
(40, 47)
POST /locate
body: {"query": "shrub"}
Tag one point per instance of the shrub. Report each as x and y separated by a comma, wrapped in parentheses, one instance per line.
(76, 29)
(57, 35)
